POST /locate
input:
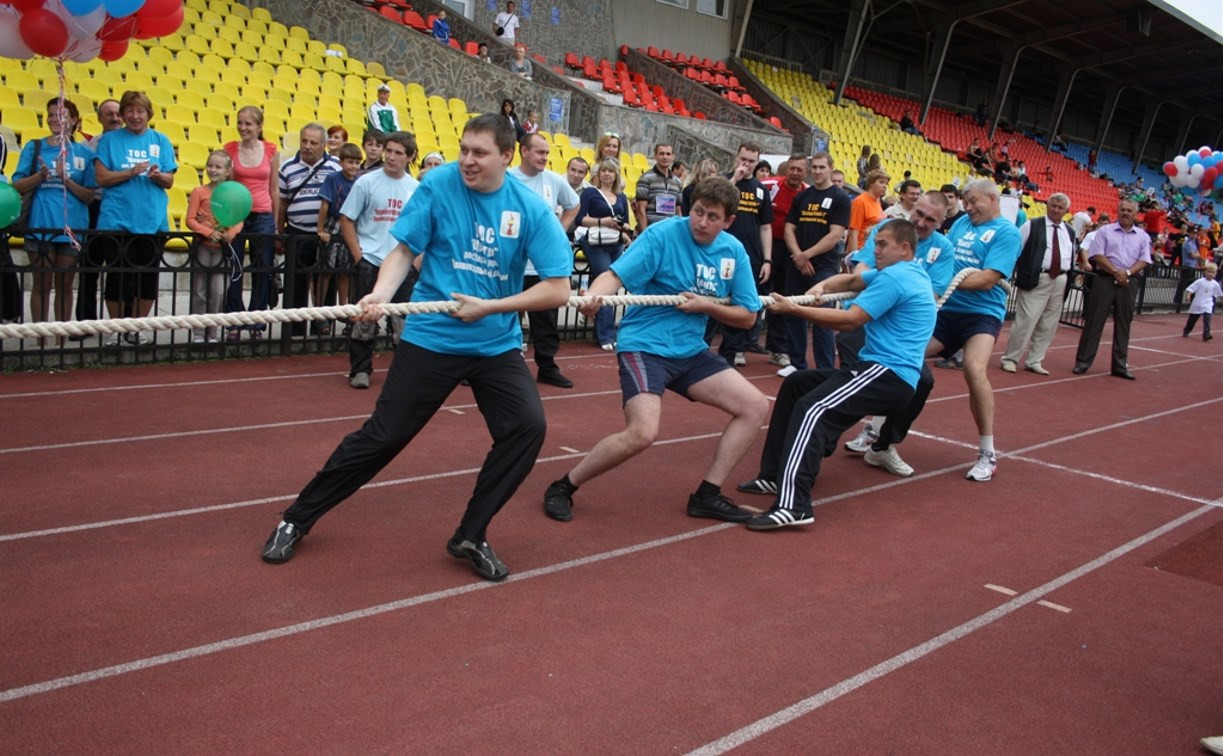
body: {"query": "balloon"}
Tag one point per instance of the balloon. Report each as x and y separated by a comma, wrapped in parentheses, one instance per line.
(26, 5)
(118, 29)
(1194, 182)
(112, 51)
(43, 32)
(81, 50)
(1193, 159)
(160, 8)
(231, 203)
(10, 205)
(1204, 152)
(1197, 170)
(1169, 169)
(1181, 163)
(86, 26)
(81, 7)
(1209, 175)
(11, 44)
(121, 8)
(159, 27)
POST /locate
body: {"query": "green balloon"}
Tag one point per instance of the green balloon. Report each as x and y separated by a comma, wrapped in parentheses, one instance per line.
(231, 203)
(10, 204)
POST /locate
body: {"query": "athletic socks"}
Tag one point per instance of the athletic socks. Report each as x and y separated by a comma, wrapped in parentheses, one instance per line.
(987, 444)
(566, 484)
(707, 489)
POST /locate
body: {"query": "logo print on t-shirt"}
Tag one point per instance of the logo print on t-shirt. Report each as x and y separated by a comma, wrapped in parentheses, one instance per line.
(155, 150)
(827, 203)
(985, 237)
(511, 221)
(727, 268)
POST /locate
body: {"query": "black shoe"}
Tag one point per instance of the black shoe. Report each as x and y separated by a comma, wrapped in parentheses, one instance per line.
(558, 503)
(553, 377)
(717, 507)
(1207, 337)
(1079, 369)
(1127, 375)
(758, 486)
(483, 560)
(778, 517)
(756, 349)
(279, 548)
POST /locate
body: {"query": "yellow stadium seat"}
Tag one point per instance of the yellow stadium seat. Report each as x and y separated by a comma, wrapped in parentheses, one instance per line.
(228, 34)
(197, 5)
(96, 90)
(280, 94)
(186, 178)
(137, 80)
(303, 110)
(23, 122)
(239, 10)
(256, 25)
(196, 44)
(173, 131)
(181, 114)
(229, 89)
(374, 68)
(246, 51)
(252, 38)
(212, 18)
(296, 45)
(272, 42)
(297, 32)
(22, 80)
(240, 64)
(176, 207)
(356, 67)
(260, 67)
(205, 136)
(213, 61)
(316, 62)
(316, 47)
(261, 14)
(292, 58)
(213, 116)
(276, 108)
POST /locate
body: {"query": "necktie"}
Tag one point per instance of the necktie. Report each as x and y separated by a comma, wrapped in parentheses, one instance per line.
(1055, 264)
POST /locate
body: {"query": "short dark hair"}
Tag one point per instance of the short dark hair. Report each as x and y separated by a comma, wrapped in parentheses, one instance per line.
(660, 145)
(902, 232)
(949, 189)
(823, 156)
(497, 125)
(405, 139)
(716, 190)
(525, 142)
(749, 146)
(350, 151)
(577, 158)
(908, 184)
(377, 135)
(1091, 210)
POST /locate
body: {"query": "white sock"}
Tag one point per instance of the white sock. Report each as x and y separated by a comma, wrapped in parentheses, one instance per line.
(987, 444)
(877, 422)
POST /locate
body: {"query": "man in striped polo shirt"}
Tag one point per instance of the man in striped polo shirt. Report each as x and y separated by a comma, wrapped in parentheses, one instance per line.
(301, 178)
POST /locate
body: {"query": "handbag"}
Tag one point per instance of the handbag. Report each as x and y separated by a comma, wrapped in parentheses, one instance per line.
(600, 235)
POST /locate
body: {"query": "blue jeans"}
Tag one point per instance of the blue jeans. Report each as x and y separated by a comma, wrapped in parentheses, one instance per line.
(600, 259)
(262, 259)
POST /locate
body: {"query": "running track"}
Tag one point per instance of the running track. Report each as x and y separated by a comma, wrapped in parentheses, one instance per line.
(1072, 605)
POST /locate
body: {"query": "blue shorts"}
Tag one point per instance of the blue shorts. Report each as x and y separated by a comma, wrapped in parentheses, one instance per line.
(954, 329)
(643, 373)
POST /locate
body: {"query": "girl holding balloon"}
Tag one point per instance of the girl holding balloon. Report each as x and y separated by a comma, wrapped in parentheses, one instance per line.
(208, 285)
(256, 166)
(59, 172)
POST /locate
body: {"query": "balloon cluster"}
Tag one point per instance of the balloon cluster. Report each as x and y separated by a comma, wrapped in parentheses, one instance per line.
(1200, 169)
(82, 30)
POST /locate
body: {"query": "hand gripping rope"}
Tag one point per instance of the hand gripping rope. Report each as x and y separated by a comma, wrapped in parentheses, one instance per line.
(302, 314)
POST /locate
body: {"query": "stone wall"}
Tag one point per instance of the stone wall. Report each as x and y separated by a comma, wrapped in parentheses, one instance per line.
(581, 26)
(805, 135)
(692, 149)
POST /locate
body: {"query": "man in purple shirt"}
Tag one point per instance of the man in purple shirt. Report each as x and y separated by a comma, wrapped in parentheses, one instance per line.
(1120, 251)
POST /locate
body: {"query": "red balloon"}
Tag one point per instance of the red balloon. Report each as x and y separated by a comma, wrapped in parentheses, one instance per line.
(1208, 175)
(1170, 168)
(1205, 152)
(26, 5)
(118, 29)
(43, 32)
(159, 27)
(160, 8)
(112, 51)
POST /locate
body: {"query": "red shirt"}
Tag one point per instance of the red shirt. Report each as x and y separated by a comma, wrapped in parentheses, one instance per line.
(1154, 221)
(783, 197)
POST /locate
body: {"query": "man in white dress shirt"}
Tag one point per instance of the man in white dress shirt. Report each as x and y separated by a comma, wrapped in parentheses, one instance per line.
(1040, 275)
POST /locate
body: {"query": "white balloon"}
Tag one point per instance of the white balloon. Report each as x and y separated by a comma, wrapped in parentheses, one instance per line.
(1182, 163)
(86, 27)
(11, 44)
(1197, 170)
(82, 50)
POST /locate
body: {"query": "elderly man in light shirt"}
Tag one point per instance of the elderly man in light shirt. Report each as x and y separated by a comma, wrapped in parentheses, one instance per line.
(1045, 259)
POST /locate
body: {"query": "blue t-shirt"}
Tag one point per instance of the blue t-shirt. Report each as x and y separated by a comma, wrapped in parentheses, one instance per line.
(902, 318)
(935, 254)
(993, 245)
(666, 260)
(137, 205)
(47, 206)
(374, 205)
(335, 190)
(476, 244)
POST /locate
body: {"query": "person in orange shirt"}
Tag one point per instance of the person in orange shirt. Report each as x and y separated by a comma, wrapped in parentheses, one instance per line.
(865, 211)
(208, 283)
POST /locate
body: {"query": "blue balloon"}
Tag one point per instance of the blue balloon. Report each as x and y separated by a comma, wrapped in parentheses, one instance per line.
(121, 8)
(81, 7)
(1194, 159)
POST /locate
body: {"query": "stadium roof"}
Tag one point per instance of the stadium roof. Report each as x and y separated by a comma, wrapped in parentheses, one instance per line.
(1157, 54)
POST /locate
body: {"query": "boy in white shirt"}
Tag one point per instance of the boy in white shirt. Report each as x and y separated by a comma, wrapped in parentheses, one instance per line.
(1205, 291)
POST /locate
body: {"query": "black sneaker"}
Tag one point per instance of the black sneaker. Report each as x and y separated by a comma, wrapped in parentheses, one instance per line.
(554, 377)
(716, 507)
(780, 518)
(756, 349)
(279, 548)
(558, 503)
(483, 560)
(758, 486)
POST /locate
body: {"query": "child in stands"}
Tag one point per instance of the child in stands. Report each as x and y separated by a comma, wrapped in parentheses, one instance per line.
(209, 279)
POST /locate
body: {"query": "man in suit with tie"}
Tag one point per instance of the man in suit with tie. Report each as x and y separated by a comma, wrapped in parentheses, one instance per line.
(1040, 275)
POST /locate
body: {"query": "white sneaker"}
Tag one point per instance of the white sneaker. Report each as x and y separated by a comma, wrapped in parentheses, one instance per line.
(787, 371)
(862, 442)
(112, 340)
(983, 470)
(780, 359)
(889, 460)
(740, 359)
(1214, 745)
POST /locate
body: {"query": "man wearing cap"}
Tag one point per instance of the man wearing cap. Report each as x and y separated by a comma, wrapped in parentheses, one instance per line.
(382, 114)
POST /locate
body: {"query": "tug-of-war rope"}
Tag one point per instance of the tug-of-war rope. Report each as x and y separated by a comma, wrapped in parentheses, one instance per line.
(302, 314)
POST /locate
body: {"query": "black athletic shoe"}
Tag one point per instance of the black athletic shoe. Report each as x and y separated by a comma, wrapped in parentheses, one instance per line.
(279, 548)
(756, 349)
(554, 377)
(483, 560)
(758, 486)
(716, 507)
(780, 518)
(558, 503)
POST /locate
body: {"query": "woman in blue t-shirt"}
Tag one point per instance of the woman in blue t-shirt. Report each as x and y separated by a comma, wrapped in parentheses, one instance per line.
(136, 166)
(59, 172)
(603, 212)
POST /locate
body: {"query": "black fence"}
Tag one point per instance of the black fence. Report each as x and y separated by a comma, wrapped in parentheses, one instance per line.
(158, 272)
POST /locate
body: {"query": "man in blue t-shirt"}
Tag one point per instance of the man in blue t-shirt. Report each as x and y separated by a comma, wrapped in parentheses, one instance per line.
(474, 228)
(664, 348)
(814, 407)
(935, 254)
(972, 316)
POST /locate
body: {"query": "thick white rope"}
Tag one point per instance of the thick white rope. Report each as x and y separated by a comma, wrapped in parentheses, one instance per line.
(302, 314)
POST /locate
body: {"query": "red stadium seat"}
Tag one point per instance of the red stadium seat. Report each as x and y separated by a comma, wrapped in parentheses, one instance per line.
(571, 61)
(413, 19)
(681, 59)
(391, 13)
(472, 48)
(455, 44)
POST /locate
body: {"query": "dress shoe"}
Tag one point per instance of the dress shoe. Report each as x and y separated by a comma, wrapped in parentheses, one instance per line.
(1127, 375)
(1079, 369)
(1007, 366)
(1038, 368)
(554, 377)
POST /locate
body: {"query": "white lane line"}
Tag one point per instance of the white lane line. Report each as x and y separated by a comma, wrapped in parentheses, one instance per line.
(767, 724)
(454, 410)
(1055, 607)
(337, 619)
(1001, 589)
(289, 497)
(569, 449)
